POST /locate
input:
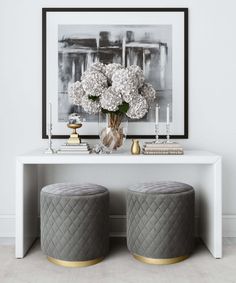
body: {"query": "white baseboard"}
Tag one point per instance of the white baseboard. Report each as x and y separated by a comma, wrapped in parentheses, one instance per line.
(7, 226)
(229, 225)
(117, 226)
(7, 241)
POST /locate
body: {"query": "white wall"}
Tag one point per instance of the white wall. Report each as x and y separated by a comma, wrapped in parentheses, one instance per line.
(212, 91)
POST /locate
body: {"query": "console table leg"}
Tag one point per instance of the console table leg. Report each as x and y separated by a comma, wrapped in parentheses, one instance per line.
(26, 208)
(211, 210)
(218, 209)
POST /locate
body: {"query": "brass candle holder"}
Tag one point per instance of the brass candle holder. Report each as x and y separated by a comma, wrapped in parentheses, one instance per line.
(74, 137)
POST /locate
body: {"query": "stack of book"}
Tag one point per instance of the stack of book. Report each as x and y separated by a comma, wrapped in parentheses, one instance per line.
(82, 148)
(163, 148)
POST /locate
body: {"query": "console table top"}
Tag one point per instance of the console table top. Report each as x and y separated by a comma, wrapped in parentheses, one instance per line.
(120, 157)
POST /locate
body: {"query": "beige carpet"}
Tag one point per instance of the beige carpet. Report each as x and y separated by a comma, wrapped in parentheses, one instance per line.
(120, 267)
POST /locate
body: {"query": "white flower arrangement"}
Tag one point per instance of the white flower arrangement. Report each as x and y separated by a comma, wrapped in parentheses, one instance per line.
(113, 89)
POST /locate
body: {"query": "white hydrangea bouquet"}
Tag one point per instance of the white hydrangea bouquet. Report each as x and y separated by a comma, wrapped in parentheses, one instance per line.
(114, 90)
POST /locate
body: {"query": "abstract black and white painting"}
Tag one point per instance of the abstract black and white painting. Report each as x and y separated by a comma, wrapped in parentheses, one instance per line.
(153, 40)
(146, 46)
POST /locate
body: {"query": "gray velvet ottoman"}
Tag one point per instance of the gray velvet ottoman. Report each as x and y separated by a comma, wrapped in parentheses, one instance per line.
(160, 222)
(74, 223)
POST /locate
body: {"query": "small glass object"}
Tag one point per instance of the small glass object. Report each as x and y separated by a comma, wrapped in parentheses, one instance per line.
(74, 118)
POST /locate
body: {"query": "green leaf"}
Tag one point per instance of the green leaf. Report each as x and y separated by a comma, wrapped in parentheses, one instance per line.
(123, 108)
(105, 111)
(93, 98)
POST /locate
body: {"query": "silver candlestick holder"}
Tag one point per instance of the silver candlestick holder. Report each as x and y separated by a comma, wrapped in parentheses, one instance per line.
(50, 150)
(168, 133)
(157, 132)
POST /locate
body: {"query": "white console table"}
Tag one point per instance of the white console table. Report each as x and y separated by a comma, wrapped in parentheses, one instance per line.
(27, 190)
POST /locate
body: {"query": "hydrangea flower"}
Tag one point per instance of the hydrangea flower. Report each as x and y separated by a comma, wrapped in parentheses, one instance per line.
(110, 69)
(109, 86)
(90, 106)
(138, 73)
(130, 94)
(138, 107)
(94, 82)
(76, 92)
(110, 99)
(98, 67)
(124, 81)
(148, 92)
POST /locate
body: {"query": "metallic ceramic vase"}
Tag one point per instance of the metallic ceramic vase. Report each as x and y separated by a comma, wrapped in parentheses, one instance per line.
(135, 148)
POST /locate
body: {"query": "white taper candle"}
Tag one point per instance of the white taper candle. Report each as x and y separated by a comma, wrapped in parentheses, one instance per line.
(157, 114)
(168, 114)
(50, 113)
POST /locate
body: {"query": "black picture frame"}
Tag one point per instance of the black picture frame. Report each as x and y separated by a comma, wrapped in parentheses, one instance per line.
(44, 64)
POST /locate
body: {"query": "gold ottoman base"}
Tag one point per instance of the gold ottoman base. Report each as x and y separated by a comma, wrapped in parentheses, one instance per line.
(160, 260)
(66, 263)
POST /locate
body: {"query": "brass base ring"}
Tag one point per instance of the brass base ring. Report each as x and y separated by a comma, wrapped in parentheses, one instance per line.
(160, 260)
(66, 263)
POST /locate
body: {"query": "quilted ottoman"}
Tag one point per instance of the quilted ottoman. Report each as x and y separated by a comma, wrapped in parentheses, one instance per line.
(74, 223)
(160, 222)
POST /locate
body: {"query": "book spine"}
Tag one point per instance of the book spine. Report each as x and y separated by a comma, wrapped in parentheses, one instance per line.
(163, 146)
(76, 152)
(74, 149)
(160, 149)
(163, 153)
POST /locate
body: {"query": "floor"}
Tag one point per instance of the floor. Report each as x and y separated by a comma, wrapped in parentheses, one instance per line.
(120, 267)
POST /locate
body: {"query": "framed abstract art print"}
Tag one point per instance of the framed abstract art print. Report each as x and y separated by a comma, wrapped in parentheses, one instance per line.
(155, 39)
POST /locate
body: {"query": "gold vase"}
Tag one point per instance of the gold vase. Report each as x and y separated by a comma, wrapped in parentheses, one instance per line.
(135, 148)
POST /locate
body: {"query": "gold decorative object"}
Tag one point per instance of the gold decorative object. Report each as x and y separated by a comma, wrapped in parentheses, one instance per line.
(74, 137)
(160, 261)
(135, 148)
(66, 263)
